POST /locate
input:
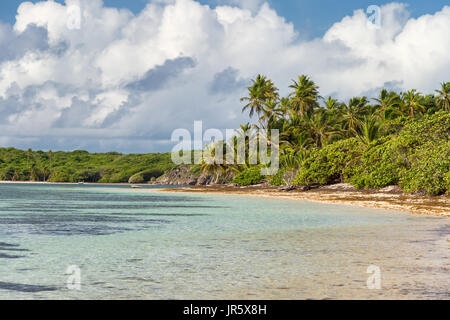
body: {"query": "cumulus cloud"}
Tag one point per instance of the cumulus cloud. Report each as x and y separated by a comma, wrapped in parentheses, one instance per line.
(227, 81)
(157, 77)
(123, 82)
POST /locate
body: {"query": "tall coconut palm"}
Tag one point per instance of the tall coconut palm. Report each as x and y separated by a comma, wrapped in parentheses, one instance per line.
(246, 134)
(292, 128)
(260, 93)
(386, 99)
(211, 164)
(305, 95)
(352, 113)
(388, 104)
(443, 96)
(320, 128)
(412, 102)
(270, 114)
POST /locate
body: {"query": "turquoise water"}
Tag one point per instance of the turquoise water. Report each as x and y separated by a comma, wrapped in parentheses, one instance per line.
(138, 244)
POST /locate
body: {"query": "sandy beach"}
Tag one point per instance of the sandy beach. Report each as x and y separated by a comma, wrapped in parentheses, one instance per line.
(388, 198)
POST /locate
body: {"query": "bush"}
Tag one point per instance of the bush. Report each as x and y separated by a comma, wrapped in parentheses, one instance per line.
(447, 181)
(249, 177)
(278, 178)
(327, 165)
(377, 167)
(417, 158)
(429, 170)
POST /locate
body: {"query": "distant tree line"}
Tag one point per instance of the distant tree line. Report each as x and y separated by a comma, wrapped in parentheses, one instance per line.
(81, 166)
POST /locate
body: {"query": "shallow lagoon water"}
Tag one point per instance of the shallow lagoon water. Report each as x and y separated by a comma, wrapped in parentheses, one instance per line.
(138, 244)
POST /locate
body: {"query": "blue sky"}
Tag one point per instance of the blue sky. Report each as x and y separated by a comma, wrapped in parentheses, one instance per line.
(311, 17)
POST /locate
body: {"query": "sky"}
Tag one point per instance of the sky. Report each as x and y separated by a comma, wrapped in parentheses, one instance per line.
(122, 75)
(310, 17)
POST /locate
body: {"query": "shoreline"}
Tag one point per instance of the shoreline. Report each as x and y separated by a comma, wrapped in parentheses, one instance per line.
(65, 183)
(387, 198)
(338, 194)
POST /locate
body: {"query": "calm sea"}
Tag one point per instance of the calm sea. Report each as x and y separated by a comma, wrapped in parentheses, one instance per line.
(124, 243)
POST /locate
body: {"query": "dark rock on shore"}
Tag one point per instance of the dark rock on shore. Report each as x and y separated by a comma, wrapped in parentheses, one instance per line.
(288, 188)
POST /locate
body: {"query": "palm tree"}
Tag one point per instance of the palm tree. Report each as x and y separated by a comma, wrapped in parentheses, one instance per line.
(352, 113)
(320, 128)
(305, 95)
(246, 134)
(270, 114)
(293, 151)
(411, 102)
(260, 93)
(443, 97)
(388, 104)
(369, 129)
(332, 104)
(285, 106)
(292, 128)
(211, 164)
(387, 99)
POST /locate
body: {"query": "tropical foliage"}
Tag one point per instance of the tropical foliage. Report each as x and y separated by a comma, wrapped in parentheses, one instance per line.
(394, 138)
(249, 176)
(78, 166)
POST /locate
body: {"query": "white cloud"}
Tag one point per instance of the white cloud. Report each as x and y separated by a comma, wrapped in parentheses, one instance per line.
(252, 5)
(124, 82)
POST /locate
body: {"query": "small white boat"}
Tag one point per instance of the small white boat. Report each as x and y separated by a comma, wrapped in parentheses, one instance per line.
(135, 186)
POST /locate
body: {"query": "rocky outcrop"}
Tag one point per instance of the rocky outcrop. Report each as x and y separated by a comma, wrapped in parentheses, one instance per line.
(184, 176)
(191, 176)
(181, 175)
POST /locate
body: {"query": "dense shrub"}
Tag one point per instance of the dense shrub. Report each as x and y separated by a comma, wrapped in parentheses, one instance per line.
(447, 181)
(417, 158)
(278, 178)
(377, 167)
(249, 177)
(327, 165)
(429, 170)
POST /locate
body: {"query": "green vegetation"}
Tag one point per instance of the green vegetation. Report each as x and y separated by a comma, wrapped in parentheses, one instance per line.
(249, 176)
(393, 139)
(81, 166)
(328, 164)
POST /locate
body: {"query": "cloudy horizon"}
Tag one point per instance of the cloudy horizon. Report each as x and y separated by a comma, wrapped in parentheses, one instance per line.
(123, 81)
